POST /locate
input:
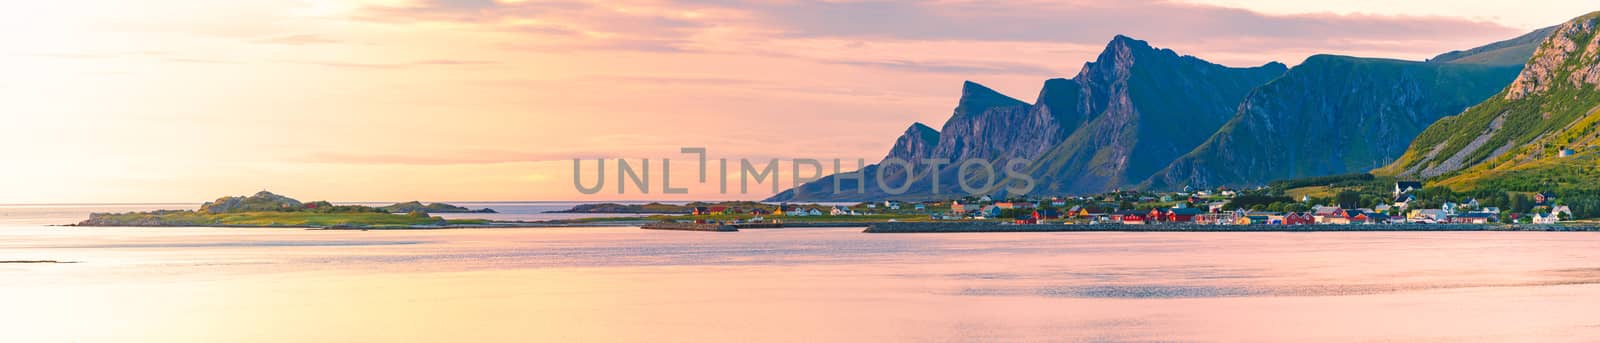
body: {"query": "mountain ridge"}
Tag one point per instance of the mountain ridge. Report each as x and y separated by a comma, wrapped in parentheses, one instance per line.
(1144, 117)
(1331, 115)
(990, 126)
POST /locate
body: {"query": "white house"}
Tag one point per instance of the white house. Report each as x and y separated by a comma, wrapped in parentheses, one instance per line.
(1403, 187)
(1449, 207)
(1431, 215)
(802, 212)
(1489, 210)
(1559, 209)
(1545, 218)
(1403, 201)
(841, 211)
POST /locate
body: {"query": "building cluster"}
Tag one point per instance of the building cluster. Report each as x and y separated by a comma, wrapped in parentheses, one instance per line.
(1209, 207)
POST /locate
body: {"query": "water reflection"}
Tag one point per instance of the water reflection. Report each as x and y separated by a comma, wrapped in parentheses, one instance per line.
(618, 284)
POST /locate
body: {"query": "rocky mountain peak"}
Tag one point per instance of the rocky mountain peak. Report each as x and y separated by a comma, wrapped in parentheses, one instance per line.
(976, 98)
(1119, 55)
(917, 142)
(1121, 43)
(918, 129)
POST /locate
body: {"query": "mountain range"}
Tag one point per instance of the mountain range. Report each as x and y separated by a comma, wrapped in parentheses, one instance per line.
(1144, 117)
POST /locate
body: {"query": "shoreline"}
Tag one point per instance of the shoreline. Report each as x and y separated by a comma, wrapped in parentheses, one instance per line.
(959, 227)
(977, 227)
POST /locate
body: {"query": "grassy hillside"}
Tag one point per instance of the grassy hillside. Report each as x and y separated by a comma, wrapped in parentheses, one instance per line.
(1513, 144)
(1513, 51)
(1551, 105)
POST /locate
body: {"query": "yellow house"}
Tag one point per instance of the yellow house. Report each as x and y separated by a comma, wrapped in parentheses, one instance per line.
(778, 211)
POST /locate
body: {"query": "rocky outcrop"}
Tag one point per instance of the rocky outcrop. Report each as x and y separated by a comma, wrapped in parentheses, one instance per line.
(438, 207)
(1556, 57)
(261, 201)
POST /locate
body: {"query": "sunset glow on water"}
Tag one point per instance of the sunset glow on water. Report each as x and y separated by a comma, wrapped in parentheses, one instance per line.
(624, 284)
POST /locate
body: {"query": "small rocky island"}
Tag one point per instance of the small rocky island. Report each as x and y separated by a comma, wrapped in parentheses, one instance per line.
(438, 207)
(265, 209)
(650, 208)
(660, 208)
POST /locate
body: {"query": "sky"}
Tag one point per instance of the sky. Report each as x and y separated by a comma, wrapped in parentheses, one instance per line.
(458, 100)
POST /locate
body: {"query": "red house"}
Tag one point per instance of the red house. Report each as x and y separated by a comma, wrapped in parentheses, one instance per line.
(1543, 197)
(1157, 215)
(1046, 214)
(1183, 215)
(1132, 217)
(1026, 220)
(1299, 218)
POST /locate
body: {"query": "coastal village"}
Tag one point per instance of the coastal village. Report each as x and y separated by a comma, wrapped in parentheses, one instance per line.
(1203, 207)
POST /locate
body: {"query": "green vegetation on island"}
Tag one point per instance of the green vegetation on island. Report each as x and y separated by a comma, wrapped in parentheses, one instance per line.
(266, 209)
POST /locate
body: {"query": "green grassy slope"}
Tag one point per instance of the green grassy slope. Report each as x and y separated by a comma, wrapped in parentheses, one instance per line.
(1551, 105)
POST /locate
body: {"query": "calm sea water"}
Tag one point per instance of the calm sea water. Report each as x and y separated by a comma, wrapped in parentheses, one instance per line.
(15, 215)
(804, 285)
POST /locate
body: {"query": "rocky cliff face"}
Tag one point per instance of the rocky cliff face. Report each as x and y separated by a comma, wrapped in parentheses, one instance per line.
(1003, 129)
(915, 144)
(984, 125)
(1572, 42)
(1143, 107)
(1331, 115)
(1123, 115)
(1551, 104)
